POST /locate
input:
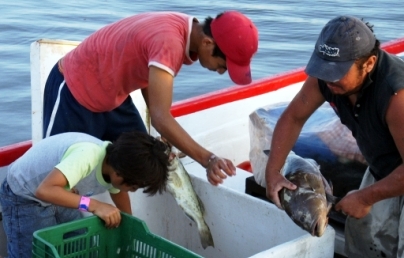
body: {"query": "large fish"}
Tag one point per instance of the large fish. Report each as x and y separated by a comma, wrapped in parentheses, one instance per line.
(180, 186)
(307, 206)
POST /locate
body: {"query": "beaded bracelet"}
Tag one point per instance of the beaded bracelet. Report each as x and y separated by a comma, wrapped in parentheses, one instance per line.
(212, 158)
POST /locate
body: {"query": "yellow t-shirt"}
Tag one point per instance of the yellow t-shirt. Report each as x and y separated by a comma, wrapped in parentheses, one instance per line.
(80, 160)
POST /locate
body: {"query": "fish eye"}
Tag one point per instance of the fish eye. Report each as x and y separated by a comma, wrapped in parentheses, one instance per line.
(302, 218)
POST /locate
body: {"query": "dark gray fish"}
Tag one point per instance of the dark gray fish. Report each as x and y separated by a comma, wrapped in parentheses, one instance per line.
(307, 206)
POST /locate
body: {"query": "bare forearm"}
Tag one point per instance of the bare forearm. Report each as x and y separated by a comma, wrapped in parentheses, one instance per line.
(170, 129)
(58, 196)
(122, 201)
(61, 197)
(388, 187)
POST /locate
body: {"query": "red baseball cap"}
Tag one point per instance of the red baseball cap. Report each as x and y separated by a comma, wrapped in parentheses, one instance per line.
(237, 37)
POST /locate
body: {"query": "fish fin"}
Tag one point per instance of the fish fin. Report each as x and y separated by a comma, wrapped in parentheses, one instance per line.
(266, 152)
(327, 186)
(201, 205)
(331, 186)
(206, 237)
(332, 199)
(189, 216)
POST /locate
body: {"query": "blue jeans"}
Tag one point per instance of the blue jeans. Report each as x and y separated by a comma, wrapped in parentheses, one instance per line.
(22, 217)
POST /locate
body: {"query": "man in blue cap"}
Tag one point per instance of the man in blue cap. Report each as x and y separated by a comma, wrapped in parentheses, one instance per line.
(364, 86)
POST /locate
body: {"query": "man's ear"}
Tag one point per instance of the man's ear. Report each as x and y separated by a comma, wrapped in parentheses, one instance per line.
(208, 41)
(370, 63)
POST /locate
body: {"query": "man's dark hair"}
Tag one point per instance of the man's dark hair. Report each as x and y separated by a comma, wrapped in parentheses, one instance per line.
(374, 52)
(140, 160)
(206, 29)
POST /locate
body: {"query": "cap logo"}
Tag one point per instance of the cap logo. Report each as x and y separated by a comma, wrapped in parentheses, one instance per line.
(329, 51)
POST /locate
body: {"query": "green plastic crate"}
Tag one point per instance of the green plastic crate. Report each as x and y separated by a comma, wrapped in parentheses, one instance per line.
(89, 238)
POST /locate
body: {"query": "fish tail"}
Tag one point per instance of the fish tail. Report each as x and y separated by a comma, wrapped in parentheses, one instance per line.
(206, 236)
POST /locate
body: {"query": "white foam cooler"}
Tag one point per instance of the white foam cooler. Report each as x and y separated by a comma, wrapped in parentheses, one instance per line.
(241, 225)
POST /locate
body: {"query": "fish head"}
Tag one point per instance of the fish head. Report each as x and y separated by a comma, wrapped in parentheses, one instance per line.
(169, 146)
(171, 151)
(320, 226)
(306, 208)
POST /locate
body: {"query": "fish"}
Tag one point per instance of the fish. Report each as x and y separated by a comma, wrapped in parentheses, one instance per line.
(307, 205)
(180, 186)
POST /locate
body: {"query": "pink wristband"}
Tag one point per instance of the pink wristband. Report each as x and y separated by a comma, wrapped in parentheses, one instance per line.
(84, 203)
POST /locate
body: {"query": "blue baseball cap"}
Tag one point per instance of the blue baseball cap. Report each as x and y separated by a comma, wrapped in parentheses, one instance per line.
(343, 40)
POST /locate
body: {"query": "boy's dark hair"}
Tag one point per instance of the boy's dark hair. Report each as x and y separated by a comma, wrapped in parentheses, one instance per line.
(206, 29)
(140, 160)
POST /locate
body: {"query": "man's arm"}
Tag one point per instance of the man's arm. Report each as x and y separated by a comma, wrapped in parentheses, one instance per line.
(159, 100)
(357, 204)
(286, 132)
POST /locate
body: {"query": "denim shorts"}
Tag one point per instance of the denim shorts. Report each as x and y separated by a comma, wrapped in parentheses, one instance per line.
(22, 217)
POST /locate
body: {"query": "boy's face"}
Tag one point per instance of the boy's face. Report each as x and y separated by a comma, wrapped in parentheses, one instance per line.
(117, 182)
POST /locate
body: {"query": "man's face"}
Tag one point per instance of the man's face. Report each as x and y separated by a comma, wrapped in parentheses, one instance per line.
(352, 82)
(212, 63)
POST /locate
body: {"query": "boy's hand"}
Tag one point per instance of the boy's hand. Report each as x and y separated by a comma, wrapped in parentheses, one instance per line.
(108, 213)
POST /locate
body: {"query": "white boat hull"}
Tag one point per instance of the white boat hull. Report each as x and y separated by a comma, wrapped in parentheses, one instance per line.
(241, 225)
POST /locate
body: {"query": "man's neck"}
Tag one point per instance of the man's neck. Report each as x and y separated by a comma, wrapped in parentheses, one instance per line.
(196, 36)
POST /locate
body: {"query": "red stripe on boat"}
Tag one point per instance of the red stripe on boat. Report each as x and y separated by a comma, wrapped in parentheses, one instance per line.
(12, 152)
(265, 85)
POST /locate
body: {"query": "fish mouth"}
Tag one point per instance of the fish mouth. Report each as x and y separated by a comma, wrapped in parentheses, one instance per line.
(319, 226)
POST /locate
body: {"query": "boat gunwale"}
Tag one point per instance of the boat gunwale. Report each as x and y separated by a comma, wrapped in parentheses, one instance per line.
(11, 152)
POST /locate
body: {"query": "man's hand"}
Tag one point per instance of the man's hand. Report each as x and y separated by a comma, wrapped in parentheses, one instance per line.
(218, 169)
(353, 205)
(275, 182)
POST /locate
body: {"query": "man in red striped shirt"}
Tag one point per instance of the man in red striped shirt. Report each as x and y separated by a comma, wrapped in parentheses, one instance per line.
(88, 89)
